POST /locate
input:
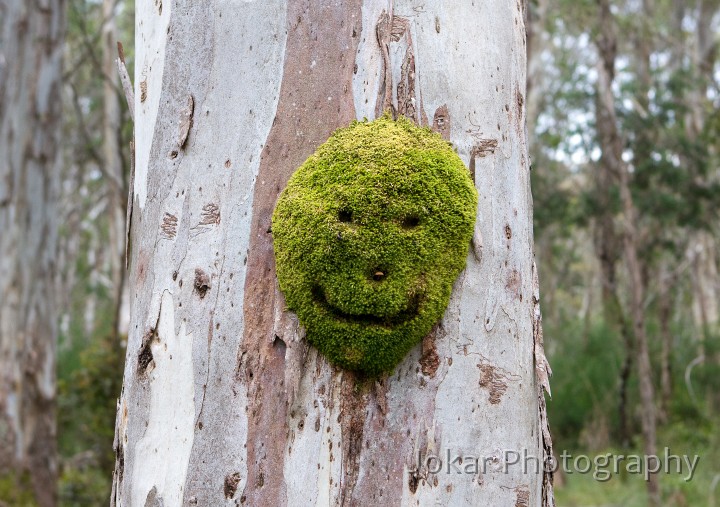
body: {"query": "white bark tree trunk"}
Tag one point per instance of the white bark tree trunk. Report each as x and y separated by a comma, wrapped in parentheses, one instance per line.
(31, 46)
(223, 401)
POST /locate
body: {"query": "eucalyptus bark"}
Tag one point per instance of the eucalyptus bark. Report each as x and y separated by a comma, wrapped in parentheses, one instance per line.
(31, 45)
(223, 400)
(612, 163)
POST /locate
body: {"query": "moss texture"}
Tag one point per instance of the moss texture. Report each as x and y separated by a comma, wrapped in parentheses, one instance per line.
(370, 234)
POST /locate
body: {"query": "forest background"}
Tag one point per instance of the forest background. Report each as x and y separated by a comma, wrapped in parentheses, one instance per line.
(655, 62)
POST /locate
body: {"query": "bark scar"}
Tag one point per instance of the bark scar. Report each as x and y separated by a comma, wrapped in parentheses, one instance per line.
(395, 29)
(202, 282)
(495, 380)
(169, 225)
(186, 121)
(382, 32)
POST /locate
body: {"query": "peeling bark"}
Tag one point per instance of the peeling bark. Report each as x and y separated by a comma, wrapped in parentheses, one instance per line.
(268, 420)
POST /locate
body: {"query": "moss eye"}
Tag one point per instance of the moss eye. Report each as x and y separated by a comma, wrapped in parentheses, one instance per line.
(345, 215)
(410, 222)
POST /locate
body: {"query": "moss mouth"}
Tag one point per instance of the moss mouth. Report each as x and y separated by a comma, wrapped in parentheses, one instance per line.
(368, 319)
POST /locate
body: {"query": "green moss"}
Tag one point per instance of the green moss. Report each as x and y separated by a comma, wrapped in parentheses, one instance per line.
(370, 234)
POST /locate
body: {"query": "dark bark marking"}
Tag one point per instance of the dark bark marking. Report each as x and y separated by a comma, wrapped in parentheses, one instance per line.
(143, 90)
(495, 380)
(392, 29)
(523, 496)
(130, 204)
(490, 380)
(508, 232)
(353, 412)
(520, 109)
(186, 121)
(406, 87)
(210, 214)
(441, 122)
(413, 480)
(153, 500)
(169, 226)
(231, 484)
(382, 33)
(430, 361)
(202, 282)
(324, 34)
(145, 355)
(484, 147)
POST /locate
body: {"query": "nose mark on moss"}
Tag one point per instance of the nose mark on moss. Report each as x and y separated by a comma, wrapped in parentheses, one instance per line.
(345, 215)
(410, 222)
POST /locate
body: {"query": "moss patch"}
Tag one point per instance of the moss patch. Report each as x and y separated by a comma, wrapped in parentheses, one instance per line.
(369, 235)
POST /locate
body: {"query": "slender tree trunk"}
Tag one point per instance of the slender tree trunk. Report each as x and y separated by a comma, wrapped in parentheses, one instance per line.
(665, 304)
(608, 249)
(116, 191)
(535, 19)
(611, 161)
(224, 403)
(31, 45)
(706, 279)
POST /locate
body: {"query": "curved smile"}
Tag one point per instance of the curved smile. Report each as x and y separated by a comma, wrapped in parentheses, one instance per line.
(409, 313)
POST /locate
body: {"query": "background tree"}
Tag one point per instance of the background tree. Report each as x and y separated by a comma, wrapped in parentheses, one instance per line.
(671, 177)
(91, 263)
(31, 49)
(216, 365)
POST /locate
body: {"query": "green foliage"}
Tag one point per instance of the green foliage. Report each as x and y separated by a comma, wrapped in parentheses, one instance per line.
(87, 403)
(16, 490)
(370, 234)
(629, 490)
(580, 393)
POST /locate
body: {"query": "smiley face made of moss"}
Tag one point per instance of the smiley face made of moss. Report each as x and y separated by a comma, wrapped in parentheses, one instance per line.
(370, 234)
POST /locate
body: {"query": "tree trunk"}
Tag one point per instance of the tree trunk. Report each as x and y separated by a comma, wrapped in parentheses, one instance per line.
(223, 401)
(535, 23)
(31, 49)
(612, 163)
(703, 251)
(665, 307)
(607, 242)
(112, 156)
